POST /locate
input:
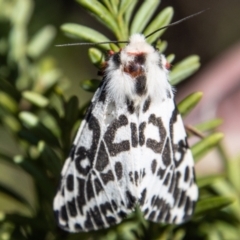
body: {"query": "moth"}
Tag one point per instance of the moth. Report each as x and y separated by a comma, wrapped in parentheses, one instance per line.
(131, 149)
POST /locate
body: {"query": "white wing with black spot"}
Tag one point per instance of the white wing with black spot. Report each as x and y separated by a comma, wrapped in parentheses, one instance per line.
(95, 190)
(168, 191)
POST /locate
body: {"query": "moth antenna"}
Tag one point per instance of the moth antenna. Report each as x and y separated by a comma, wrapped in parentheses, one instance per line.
(177, 22)
(89, 44)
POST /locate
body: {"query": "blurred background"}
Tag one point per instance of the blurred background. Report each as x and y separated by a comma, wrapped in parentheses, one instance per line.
(213, 35)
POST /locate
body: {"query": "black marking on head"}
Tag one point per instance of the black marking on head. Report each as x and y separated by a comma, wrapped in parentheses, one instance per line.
(141, 133)
(116, 59)
(166, 155)
(136, 176)
(102, 158)
(130, 106)
(90, 192)
(140, 85)
(118, 170)
(186, 174)
(70, 182)
(152, 143)
(78, 227)
(146, 104)
(98, 186)
(88, 222)
(72, 152)
(115, 148)
(161, 172)
(72, 207)
(97, 217)
(134, 136)
(140, 59)
(82, 153)
(63, 213)
(107, 177)
(152, 215)
(131, 200)
(81, 194)
(131, 176)
(143, 196)
(154, 165)
(166, 180)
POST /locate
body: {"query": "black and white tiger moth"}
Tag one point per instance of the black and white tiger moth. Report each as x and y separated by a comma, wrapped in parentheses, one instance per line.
(131, 149)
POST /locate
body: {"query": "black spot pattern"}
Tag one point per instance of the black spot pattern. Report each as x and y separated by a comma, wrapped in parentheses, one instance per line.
(88, 222)
(134, 135)
(72, 207)
(151, 143)
(106, 177)
(136, 176)
(98, 186)
(82, 153)
(130, 106)
(118, 170)
(166, 155)
(186, 174)
(81, 196)
(131, 200)
(102, 158)
(90, 192)
(154, 165)
(97, 217)
(140, 85)
(146, 104)
(140, 59)
(141, 133)
(70, 182)
(143, 196)
(72, 152)
(116, 59)
(116, 148)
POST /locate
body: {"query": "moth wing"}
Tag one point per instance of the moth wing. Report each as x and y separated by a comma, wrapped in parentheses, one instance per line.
(168, 191)
(95, 189)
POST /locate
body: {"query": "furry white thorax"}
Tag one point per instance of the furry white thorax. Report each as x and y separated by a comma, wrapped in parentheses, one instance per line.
(121, 84)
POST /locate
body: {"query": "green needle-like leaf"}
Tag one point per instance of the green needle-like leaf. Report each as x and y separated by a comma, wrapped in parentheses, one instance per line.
(96, 56)
(212, 204)
(100, 13)
(205, 145)
(188, 103)
(90, 85)
(143, 15)
(184, 69)
(35, 98)
(209, 125)
(161, 20)
(85, 33)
